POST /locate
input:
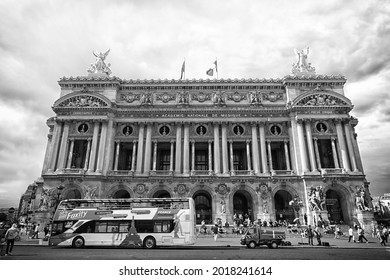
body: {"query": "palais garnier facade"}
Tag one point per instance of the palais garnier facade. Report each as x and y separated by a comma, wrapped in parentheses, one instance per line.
(274, 149)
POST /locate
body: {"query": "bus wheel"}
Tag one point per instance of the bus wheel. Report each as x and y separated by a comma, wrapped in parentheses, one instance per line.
(78, 242)
(251, 245)
(274, 245)
(149, 242)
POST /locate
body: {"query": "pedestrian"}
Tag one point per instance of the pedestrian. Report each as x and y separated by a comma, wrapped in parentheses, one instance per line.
(336, 232)
(46, 230)
(36, 232)
(361, 235)
(382, 237)
(386, 233)
(310, 235)
(318, 235)
(215, 231)
(2, 239)
(350, 235)
(10, 236)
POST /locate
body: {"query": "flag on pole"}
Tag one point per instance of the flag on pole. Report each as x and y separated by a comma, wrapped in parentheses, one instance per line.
(210, 72)
(183, 70)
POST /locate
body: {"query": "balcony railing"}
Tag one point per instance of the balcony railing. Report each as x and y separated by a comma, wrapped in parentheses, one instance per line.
(282, 172)
(332, 171)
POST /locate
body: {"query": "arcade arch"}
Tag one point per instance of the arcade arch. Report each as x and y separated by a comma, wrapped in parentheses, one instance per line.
(283, 210)
(243, 204)
(203, 207)
(337, 207)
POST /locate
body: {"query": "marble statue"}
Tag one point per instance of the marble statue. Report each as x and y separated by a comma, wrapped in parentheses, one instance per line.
(100, 67)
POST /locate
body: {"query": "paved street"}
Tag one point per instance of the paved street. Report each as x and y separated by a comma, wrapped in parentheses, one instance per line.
(225, 248)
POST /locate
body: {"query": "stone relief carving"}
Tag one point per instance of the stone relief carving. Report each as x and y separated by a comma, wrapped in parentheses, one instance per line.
(219, 98)
(44, 202)
(141, 188)
(273, 96)
(90, 192)
(254, 98)
(181, 189)
(265, 191)
(201, 96)
(321, 100)
(131, 97)
(165, 97)
(182, 97)
(83, 101)
(222, 189)
(146, 98)
(100, 67)
(236, 96)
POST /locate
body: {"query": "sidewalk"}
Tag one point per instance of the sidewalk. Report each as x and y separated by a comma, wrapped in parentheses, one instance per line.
(231, 240)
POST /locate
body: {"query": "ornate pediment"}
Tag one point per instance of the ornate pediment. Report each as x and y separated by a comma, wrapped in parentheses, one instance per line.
(321, 99)
(82, 100)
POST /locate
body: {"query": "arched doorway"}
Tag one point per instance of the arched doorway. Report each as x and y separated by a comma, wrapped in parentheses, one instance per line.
(283, 210)
(243, 204)
(161, 194)
(335, 207)
(72, 194)
(121, 194)
(203, 207)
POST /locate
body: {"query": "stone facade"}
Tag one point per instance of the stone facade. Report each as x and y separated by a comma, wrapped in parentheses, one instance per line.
(270, 148)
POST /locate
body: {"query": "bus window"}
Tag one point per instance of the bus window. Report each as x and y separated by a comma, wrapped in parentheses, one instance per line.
(112, 227)
(101, 227)
(88, 227)
(124, 226)
(144, 226)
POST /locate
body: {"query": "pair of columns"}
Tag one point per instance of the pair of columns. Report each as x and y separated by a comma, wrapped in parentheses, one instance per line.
(61, 147)
(346, 159)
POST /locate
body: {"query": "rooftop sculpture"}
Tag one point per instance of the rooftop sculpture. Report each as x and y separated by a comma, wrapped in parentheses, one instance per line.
(100, 67)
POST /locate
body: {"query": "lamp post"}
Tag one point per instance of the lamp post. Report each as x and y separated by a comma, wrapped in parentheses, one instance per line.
(60, 188)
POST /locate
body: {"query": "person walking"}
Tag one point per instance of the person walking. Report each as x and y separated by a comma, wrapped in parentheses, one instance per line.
(310, 235)
(350, 235)
(215, 231)
(361, 235)
(10, 236)
(2, 239)
(36, 232)
(336, 232)
(382, 236)
(318, 236)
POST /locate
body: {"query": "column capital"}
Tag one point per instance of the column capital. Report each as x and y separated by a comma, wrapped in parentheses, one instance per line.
(333, 138)
(230, 141)
(117, 141)
(253, 124)
(337, 121)
(315, 139)
(154, 141)
(172, 141)
(192, 141)
(71, 139)
(268, 141)
(89, 139)
(135, 141)
(300, 121)
(286, 141)
(210, 141)
(248, 141)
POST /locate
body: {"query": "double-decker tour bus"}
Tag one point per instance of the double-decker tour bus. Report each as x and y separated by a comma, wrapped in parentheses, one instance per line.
(132, 222)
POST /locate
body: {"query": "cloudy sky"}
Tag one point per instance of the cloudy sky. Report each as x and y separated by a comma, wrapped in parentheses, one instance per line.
(41, 41)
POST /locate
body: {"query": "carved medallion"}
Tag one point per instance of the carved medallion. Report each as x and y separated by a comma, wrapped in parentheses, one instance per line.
(181, 189)
(130, 97)
(165, 97)
(222, 189)
(273, 96)
(236, 96)
(201, 96)
(140, 189)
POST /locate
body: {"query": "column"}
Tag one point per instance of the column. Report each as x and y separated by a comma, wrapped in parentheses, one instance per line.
(350, 147)
(192, 157)
(70, 154)
(55, 143)
(210, 158)
(271, 168)
(225, 161)
(95, 139)
(248, 156)
(63, 147)
(133, 155)
(317, 152)
(232, 172)
(154, 156)
(148, 148)
(171, 158)
(87, 155)
(262, 148)
(110, 146)
(287, 155)
(217, 159)
(102, 145)
(255, 150)
(343, 147)
(310, 145)
(178, 149)
(186, 150)
(117, 147)
(334, 153)
(140, 152)
(302, 148)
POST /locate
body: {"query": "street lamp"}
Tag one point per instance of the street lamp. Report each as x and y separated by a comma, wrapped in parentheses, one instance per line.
(60, 188)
